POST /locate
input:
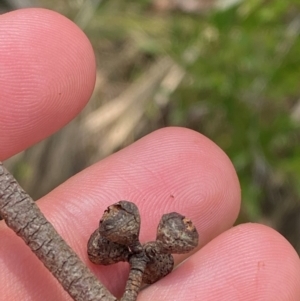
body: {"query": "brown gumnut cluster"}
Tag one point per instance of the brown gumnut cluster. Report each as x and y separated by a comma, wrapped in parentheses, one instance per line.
(117, 239)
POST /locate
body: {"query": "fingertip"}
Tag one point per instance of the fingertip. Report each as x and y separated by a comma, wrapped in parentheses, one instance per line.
(259, 250)
(200, 177)
(47, 76)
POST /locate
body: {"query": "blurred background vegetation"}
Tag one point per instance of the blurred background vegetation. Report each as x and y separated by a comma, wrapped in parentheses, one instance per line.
(229, 69)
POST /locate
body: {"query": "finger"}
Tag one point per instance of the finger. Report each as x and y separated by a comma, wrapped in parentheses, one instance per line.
(172, 169)
(47, 75)
(249, 262)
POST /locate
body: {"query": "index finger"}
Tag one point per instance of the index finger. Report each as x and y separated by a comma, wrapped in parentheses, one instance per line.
(47, 76)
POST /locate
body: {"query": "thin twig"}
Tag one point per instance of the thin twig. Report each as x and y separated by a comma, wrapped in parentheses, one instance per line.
(134, 282)
(24, 217)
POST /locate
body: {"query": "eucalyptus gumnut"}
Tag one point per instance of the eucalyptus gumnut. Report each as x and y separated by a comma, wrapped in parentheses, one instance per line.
(176, 233)
(102, 251)
(120, 224)
(159, 265)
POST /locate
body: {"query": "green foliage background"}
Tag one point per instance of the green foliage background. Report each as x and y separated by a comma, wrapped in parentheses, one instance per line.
(244, 83)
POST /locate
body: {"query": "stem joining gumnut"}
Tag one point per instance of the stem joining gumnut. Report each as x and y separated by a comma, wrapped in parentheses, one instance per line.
(117, 239)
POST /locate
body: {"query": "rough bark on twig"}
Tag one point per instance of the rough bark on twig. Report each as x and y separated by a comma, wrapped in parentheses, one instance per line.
(23, 216)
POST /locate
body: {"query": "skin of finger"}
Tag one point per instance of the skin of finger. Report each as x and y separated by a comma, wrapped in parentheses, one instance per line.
(47, 76)
(172, 169)
(250, 262)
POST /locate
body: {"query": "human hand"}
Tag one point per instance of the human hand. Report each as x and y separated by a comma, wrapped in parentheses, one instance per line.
(46, 77)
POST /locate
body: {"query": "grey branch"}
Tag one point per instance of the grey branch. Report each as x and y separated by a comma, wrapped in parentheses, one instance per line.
(24, 217)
